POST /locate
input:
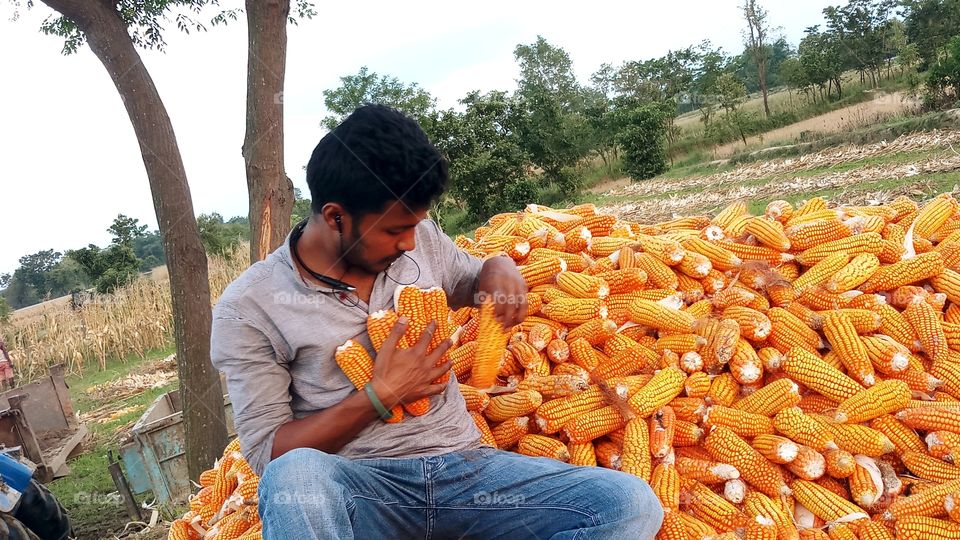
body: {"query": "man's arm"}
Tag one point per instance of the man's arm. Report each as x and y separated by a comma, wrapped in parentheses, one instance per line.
(467, 280)
(399, 376)
(259, 389)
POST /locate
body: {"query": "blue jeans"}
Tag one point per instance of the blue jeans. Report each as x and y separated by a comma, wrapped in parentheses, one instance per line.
(482, 493)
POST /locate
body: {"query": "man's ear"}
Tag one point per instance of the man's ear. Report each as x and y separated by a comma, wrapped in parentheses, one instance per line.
(334, 216)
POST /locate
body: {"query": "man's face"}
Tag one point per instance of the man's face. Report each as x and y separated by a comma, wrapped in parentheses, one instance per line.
(375, 241)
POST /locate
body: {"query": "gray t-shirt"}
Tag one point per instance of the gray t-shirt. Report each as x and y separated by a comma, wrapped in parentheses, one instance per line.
(274, 336)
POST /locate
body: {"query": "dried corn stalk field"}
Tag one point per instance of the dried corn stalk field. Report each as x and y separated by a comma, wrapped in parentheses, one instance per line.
(131, 321)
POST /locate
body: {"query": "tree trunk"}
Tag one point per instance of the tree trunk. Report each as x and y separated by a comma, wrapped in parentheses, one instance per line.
(270, 190)
(203, 414)
(829, 88)
(762, 75)
(839, 88)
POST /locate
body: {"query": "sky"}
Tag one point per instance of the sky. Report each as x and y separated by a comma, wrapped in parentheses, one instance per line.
(69, 160)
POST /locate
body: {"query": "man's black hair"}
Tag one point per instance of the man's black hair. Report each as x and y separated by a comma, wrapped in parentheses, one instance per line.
(376, 156)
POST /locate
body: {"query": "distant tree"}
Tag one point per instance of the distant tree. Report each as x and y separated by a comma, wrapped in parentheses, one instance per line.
(149, 248)
(713, 63)
(66, 277)
(943, 79)
(219, 237)
(821, 56)
(756, 38)
(107, 268)
(930, 25)
(745, 66)
(487, 162)
(732, 93)
(793, 75)
(642, 135)
(862, 27)
(668, 80)
(907, 57)
(5, 311)
(301, 207)
(34, 269)
(553, 130)
(19, 292)
(369, 87)
(125, 229)
(598, 111)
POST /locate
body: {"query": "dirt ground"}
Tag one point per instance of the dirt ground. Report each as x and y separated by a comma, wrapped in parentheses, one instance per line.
(877, 110)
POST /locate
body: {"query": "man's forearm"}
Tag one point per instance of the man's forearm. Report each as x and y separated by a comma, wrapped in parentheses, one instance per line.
(332, 428)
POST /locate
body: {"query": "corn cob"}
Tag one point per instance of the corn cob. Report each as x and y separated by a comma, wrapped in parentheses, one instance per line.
(804, 429)
(813, 233)
(742, 423)
(713, 509)
(808, 465)
(726, 446)
(775, 448)
(723, 390)
(543, 446)
(883, 398)
(857, 439)
(930, 419)
(788, 331)
(770, 399)
(507, 434)
(854, 245)
(930, 468)
(926, 323)
(661, 317)
(825, 504)
(662, 427)
(491, 343)
(356, 364)
(554, 414)
(822, 271)
(474, 398)
(813, 372)
(905, 272)
(662, 388)
(507, 406)
(754, 325)
(926, 528)
(636, 449)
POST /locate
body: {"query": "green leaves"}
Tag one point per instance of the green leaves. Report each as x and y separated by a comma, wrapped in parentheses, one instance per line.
(369, 87)
(641, 133)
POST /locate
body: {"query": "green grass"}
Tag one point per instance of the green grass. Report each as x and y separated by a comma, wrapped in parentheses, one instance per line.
(85, 492)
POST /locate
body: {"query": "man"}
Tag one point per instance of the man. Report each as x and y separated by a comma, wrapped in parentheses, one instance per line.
(6, 367)
(331, 466)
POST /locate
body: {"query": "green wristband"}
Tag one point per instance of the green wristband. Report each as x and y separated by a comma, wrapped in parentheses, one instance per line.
(377, 404)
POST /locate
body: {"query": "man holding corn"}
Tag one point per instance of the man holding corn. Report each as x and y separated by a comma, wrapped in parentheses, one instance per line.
(331, 466)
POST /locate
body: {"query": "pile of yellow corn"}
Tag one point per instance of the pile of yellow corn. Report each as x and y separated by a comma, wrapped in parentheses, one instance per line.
(789, 375)
(225, 508)
(794, 374)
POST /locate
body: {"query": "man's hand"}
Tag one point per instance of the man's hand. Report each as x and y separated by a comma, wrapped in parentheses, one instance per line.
(406, 375)
(501, 282)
